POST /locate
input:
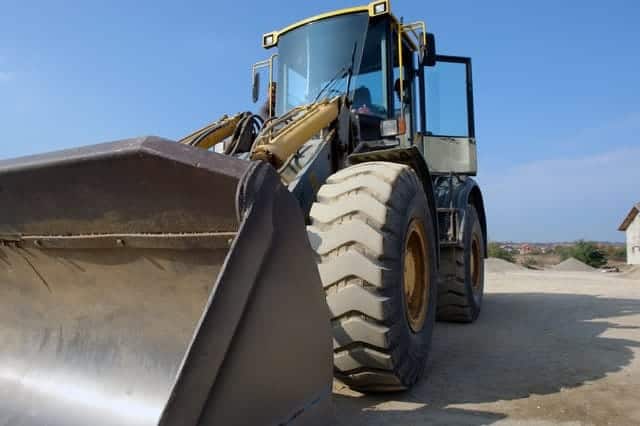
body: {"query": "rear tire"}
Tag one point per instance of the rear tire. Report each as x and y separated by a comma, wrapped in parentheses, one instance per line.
(462, 285)
(372, 231)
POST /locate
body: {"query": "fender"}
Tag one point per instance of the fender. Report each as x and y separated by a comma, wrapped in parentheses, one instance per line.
(411, 157)
(453, 194)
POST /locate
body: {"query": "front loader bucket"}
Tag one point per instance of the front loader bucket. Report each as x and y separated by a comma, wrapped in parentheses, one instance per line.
(145, 282)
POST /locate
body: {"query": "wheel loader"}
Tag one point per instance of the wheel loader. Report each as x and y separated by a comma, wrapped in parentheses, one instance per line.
(226, 278)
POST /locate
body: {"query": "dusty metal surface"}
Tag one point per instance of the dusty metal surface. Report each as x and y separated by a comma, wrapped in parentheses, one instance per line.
(145, 185)
(109, 256)
(96, 336)
(264, 341)
(145, 282)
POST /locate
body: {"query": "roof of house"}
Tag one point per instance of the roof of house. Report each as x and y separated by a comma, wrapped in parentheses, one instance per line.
(632, 215)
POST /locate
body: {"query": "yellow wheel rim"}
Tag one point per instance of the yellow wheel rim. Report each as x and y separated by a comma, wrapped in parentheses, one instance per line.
(416, 276)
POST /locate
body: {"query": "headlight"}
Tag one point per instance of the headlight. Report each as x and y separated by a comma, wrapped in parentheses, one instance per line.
(380, 8)
(268, 40)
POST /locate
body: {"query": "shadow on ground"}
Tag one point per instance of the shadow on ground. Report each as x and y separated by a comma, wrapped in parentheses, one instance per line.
(523, 344)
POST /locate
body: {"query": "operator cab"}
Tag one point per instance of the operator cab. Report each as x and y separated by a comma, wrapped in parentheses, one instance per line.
(400, 91)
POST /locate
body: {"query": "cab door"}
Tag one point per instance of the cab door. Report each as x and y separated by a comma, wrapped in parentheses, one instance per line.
(448, 131)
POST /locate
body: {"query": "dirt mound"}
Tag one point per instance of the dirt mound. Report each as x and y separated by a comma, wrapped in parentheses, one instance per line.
(493, 264)
(633, 273)
(573, 265)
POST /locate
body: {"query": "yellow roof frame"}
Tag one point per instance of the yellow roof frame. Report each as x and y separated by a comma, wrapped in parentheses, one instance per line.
(270, 40)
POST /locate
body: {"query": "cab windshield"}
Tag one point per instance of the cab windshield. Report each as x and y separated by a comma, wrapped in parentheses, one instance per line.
(313, 60)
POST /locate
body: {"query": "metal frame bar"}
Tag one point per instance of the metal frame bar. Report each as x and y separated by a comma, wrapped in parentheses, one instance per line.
(411, 28)
(423, 100)
(262, 64)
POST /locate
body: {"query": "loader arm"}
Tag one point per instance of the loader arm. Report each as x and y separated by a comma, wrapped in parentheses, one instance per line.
(214, 133)
(285, 135)
(279, 139)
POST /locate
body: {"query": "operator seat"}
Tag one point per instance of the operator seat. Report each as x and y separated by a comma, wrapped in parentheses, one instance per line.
(361, 98)
(368, 121)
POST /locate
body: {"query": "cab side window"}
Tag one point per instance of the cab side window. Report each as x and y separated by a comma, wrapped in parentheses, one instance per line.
(448, 97)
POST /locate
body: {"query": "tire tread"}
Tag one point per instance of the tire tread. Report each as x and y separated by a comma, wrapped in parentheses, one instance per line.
(353, 222)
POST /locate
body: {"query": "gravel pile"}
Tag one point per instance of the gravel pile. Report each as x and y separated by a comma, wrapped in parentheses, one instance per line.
(573, 265)
(493, 264)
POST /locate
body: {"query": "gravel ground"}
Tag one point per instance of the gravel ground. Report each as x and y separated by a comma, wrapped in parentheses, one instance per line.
(549, 348)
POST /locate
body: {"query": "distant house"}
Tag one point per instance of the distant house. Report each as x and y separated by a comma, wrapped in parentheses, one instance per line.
(631, 225)
(525, 249)
(508, 247)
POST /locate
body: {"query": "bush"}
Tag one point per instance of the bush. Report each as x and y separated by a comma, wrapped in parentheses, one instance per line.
(495, 250)
(564, 252)
(617, 253)
(530, 262)
(586, 252)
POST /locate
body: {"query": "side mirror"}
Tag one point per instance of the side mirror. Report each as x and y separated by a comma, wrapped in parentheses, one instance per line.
(429, 51)
(255, 88)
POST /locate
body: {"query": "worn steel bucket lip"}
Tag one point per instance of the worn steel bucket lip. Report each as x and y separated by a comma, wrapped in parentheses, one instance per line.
(136, 186)
(153, 145)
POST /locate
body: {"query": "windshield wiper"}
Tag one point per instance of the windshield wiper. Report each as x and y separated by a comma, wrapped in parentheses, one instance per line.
(342, 73)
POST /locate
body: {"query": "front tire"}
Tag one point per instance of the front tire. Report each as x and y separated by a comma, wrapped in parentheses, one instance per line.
(372, 231)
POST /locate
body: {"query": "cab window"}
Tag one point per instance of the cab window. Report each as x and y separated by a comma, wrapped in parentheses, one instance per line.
(370, 85)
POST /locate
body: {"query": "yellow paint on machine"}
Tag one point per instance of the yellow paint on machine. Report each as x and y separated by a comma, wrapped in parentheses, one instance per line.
(213, 133)
(277, 147)
(370, 9)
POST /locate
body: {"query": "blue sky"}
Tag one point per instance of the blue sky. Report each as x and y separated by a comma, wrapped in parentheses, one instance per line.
(557, 87)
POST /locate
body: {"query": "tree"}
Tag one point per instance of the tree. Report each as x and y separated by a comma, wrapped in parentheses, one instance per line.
(589, 253)
(496, 251)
